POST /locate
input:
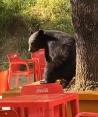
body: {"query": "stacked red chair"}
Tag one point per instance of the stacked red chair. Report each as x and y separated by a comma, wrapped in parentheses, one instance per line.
(15, 62)
(39, 64)
(46, 90)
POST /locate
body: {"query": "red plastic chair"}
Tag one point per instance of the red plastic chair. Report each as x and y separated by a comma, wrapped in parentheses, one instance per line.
(4, 81)
(8, 113)
(15, 63)
(42, 62)
(36, 69)
(87, 114)
(39, 64)
(51, 88)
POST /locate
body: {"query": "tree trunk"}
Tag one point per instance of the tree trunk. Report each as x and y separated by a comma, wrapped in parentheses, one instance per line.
(85, 22)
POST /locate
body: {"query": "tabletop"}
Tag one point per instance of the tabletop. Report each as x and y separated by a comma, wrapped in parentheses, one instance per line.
(44, 101)
(26, 100)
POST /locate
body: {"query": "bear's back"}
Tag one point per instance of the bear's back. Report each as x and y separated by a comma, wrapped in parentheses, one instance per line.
(62, 37)
(60, 46)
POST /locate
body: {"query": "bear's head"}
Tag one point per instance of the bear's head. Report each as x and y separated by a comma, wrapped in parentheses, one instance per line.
(40, 39)
(36, 41)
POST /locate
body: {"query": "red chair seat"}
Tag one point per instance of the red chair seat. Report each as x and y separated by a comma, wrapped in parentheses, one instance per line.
(51, 88)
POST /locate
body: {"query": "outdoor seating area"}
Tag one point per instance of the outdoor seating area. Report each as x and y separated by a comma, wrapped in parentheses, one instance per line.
(48, 58)
(20, 68)
(34, 98)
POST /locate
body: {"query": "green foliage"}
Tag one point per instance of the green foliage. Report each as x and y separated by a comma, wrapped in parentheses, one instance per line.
(53, 14)
(4, 66)
(49, 14)
(12, 10)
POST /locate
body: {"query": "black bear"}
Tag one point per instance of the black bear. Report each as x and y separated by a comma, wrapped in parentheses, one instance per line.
(60, 54)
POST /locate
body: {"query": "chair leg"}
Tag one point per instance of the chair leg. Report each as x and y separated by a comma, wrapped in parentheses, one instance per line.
(9, 79)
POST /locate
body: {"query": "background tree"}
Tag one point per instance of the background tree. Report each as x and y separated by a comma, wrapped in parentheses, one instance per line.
(85, 22)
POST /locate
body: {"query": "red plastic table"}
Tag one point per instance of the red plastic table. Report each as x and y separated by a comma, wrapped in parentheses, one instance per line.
(45, 105)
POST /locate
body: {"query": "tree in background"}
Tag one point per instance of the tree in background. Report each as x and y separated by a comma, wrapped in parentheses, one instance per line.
(85, 22)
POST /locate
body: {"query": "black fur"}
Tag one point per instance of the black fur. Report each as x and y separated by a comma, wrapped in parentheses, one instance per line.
(60, 53)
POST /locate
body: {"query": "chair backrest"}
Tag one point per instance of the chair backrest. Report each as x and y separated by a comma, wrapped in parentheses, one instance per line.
(3, 81)
(11, 58)
(8, 113)
(42, 61)
(36, 69)
(39, 56)
(16, 63)
(50, 88)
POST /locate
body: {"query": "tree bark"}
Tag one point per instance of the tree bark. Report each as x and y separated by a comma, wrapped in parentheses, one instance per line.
(85, 23)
